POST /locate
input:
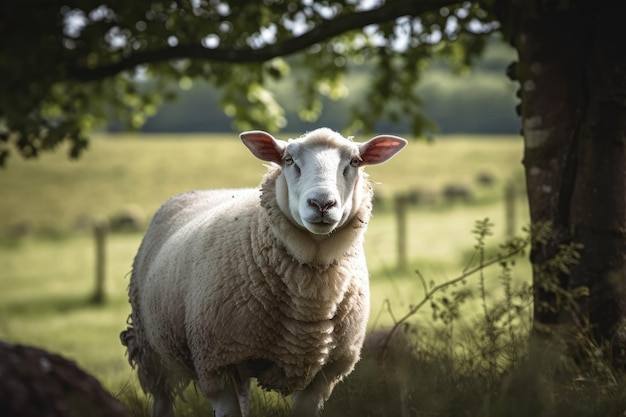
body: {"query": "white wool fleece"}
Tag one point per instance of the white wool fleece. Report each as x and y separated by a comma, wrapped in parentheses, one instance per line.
(251, 288)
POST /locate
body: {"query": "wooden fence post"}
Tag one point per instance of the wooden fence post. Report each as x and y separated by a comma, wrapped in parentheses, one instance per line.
(100, 229)
(400, 205)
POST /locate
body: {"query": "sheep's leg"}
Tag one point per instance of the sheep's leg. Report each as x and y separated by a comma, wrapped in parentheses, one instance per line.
(225, 403)
(310, 401)
(151, 372)
(163, 404)
(243, 393)
(162, 407)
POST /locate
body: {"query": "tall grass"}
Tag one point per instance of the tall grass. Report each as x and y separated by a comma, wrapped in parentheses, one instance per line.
(491, 365)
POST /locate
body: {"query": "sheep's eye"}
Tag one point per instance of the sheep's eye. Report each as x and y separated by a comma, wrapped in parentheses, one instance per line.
(289, 161)
(355, 162)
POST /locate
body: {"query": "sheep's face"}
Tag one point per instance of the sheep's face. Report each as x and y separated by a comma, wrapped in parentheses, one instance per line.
(321, 174)
(320, 182)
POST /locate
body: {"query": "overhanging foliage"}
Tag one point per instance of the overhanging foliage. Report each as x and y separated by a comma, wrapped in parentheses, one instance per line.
(78, 64)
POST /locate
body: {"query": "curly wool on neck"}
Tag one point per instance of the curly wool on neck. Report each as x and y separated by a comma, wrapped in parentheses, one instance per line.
(317, 252)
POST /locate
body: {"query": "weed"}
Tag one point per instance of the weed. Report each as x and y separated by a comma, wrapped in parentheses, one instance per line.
(490, 365)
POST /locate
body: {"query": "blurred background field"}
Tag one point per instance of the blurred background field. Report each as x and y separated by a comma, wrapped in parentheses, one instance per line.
(47, 254)
(55, 196)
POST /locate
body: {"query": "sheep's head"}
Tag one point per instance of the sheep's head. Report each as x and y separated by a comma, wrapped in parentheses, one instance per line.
(320, 172)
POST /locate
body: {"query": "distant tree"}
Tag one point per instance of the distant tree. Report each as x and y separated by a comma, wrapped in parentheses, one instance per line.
(475, 101)
(65, 66)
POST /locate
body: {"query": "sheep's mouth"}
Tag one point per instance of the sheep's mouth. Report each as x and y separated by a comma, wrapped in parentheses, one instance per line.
(320, 223)
(321, 219)
(321, 227)
(332, 216)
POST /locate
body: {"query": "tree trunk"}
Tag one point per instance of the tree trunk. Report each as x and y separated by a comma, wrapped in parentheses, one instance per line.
(572, 74)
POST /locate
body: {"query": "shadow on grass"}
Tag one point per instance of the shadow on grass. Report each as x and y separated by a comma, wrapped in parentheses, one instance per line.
(413, 380)
(419, 380)
(45, 305)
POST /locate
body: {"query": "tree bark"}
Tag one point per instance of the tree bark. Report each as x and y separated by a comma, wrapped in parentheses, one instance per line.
(598, 218)
(572, 74)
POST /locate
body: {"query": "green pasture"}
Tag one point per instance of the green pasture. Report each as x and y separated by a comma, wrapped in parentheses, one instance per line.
(47, 254)
(55, 195)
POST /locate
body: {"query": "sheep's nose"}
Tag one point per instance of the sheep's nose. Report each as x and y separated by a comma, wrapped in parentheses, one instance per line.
(321, 206)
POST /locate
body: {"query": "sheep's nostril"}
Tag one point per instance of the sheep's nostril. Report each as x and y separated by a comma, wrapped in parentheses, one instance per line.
(314, 203)
(329, 204)
(321, 206)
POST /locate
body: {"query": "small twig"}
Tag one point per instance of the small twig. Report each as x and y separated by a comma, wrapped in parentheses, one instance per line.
(422, 280)
(389, 310)
(430, 293)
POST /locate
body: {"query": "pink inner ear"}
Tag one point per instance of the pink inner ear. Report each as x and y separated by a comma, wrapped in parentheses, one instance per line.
(380, 149)
(263, 145)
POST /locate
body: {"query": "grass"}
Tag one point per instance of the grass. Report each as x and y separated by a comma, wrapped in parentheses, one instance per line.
(45, 287)
(54, 193)
(46, 276)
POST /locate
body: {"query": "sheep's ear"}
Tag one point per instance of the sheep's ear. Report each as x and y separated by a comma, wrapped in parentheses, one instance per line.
(380, 149)
(264, 146)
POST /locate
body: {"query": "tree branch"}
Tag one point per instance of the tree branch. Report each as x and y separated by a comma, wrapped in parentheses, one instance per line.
(342, 24)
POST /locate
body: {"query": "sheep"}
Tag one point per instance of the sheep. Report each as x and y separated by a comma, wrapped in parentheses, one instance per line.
(268, 283)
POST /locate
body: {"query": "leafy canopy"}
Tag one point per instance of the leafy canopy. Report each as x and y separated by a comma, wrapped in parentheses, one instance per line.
(68, 66)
